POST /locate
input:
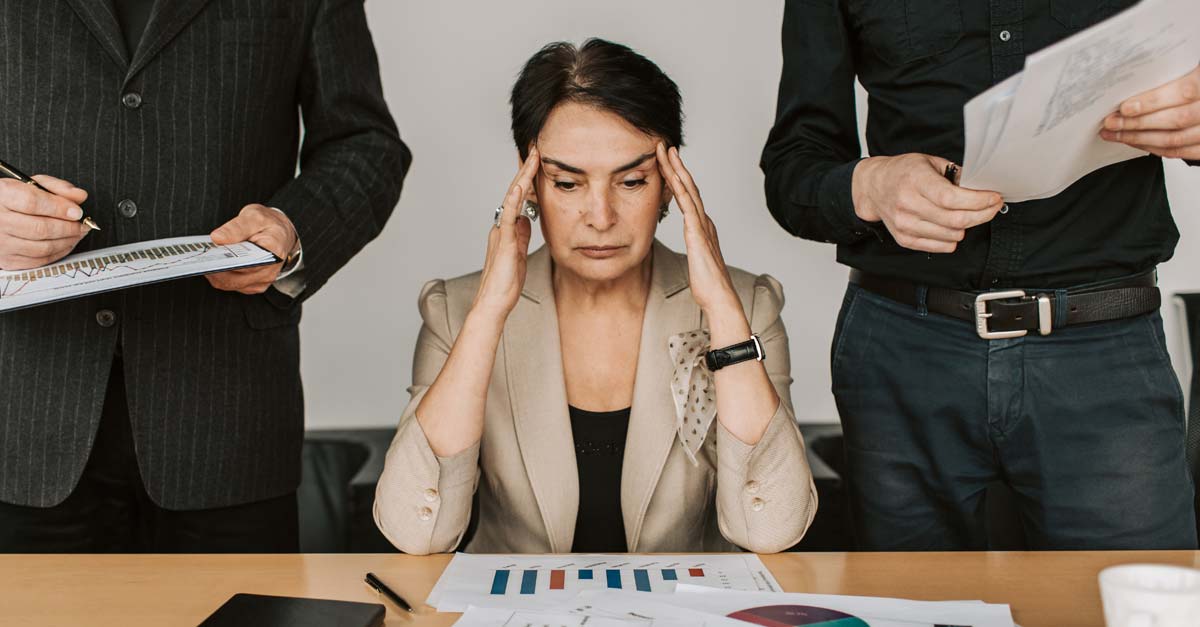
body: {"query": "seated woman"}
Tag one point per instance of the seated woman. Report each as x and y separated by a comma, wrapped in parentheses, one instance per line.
(566, 392)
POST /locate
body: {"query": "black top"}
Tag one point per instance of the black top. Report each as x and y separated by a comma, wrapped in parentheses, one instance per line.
(921, 62)
(133, 15)
(599, 453)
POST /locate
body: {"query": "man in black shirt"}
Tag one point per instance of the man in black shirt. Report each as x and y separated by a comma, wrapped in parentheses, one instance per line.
(980, 341)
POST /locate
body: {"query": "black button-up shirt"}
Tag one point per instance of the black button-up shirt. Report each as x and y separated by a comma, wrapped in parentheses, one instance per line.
(920, 61)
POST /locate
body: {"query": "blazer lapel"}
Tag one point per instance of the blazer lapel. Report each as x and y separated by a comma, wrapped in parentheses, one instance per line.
(98, 16)
(166, 21)
(652, 419)
(537, 390)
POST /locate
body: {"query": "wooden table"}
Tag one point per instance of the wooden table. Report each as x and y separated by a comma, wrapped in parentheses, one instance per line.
(1044, 589)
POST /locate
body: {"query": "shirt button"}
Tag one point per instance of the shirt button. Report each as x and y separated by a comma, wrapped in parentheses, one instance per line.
(1005, 35)
(106, 318)
(752, 487)
(995, 281)
(757, 504)
(425, 513)
(128, 208)
(431, 495)
(131, 100)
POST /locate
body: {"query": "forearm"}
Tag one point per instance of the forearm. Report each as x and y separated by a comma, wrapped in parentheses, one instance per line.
(746, 400)
(451, 413)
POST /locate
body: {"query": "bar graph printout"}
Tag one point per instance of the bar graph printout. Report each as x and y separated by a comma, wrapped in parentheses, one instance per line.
(532, 581)
(125, 266)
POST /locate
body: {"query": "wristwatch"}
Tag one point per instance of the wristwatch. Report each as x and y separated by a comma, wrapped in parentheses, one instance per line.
(721, 357)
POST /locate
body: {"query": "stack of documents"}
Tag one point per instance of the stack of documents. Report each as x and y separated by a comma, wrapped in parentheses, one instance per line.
(1036, 133)
(669, 591)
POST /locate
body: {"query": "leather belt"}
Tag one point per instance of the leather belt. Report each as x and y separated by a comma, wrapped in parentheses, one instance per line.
(1014, 313)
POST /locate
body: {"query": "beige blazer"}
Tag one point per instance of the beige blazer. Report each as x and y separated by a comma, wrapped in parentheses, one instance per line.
(760, 498)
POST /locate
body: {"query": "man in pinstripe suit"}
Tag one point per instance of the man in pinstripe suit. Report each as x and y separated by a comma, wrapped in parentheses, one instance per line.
(170, 417)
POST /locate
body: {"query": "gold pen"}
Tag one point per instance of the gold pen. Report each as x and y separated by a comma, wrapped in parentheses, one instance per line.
(11, 172)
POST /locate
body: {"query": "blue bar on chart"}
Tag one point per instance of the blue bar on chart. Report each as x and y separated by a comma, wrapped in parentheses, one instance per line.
(641, 580)
(528, 581)
(585, 574)
(500, 582)
(669, 575)
(614, 579)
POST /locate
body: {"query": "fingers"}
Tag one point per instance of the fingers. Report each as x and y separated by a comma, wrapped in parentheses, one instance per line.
(683, 197)
(686, 178)
(37, 228)
(1174, 118)
(1181, 143)
(27, 199)
(947, 195)
(522, 184)
(1173, 94)
(62, 188)
(238, 229)
(247, 280)
(259, 224)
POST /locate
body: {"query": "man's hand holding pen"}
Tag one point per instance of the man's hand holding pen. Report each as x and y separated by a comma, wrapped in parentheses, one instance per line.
(39, 227)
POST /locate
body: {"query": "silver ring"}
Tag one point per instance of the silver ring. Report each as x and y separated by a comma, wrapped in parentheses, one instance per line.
(496, 218)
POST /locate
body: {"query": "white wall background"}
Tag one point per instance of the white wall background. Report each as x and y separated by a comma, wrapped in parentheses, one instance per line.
(447, 70)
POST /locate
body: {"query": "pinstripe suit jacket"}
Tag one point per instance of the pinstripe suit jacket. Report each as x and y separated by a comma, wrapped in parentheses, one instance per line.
(213, 377)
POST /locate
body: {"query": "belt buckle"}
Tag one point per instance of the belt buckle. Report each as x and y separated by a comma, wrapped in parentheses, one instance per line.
(982, 315)
(1045, 315)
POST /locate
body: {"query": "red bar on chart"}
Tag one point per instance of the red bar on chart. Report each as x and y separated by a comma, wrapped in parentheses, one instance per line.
(696, 572)
(557, 579)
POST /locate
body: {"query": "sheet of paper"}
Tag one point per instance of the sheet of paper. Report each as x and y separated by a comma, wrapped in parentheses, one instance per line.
(126, 266)
(500, 617)
(537, 581)
(624, 604)
(843, 611)
(1049, 128)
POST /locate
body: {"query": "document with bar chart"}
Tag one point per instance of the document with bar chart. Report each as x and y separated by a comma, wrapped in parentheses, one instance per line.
(532, 581)
(125, 266)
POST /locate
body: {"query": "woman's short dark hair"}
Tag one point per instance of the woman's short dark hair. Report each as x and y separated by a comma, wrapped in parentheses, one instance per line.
(603, 74)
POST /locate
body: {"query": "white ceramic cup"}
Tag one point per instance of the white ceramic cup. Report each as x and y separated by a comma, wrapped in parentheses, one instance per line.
(1150, 595)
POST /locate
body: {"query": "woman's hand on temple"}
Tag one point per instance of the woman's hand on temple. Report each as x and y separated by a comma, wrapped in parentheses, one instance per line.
(508, 247)
(711, 286)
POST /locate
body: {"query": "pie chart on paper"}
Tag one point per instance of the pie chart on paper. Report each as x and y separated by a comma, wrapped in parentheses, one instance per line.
(796, 615)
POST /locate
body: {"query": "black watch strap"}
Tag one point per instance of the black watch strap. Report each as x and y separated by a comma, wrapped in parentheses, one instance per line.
(721, 357)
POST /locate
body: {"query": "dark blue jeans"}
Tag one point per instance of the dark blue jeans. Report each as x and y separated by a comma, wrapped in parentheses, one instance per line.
(1086, 426)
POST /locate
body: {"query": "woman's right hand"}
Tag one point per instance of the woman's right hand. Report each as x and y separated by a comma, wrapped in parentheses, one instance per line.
(508, 248)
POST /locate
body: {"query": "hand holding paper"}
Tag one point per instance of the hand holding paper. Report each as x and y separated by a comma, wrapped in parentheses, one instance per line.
(1164, 121)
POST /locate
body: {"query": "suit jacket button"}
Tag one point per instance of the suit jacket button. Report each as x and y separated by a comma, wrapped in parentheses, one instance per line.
(425, 513)
(752, 487)
(106, 318)
(131, 100)
(128, 208)
(757, 504)
(431, 495)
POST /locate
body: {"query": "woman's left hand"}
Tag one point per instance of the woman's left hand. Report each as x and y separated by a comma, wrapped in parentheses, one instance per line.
(711, 286)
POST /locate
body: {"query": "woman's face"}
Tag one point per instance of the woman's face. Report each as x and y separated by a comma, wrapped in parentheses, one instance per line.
(600, 191)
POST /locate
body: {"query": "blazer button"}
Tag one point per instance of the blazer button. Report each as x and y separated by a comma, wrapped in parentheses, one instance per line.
(128, 208)
(752, 487)
(106, 318)
(132, 100)
(757, 504)
(425, 513)
(431, 495)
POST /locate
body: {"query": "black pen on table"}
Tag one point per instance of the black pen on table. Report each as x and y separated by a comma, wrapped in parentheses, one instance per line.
(382, 588)
(9, 171)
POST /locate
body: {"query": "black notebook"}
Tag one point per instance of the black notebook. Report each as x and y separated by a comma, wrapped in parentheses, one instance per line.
(242, 610)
